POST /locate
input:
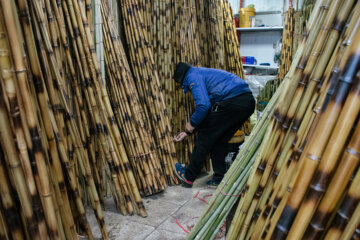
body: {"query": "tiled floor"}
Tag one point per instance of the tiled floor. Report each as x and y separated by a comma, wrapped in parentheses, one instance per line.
(170, 215)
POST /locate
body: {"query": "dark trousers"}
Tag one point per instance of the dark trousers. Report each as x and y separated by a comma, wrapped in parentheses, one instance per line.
(221, 123)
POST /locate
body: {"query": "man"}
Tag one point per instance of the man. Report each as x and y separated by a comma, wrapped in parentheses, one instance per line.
(223, 103)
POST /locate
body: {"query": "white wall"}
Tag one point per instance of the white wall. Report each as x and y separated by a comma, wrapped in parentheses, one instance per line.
(260, 45)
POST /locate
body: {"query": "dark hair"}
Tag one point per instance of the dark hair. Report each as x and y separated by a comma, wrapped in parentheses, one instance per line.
(180, 72)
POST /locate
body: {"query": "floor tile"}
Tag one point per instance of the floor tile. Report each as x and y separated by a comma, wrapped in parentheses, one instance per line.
(130, 230)
(181, 221)
(158, 211)
(163, 234)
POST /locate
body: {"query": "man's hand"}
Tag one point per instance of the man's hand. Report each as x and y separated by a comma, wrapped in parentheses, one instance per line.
(189, 128)
(179, 137)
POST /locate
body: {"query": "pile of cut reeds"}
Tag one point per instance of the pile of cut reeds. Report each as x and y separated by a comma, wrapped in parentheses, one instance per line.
(300, 183)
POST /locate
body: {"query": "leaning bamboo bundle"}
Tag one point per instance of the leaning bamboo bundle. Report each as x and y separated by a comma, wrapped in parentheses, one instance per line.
(232, 51)
(111, 141)
(216, 34)
(337, 186)
(130, 113)
(334, 147)
(286, 44)
(74, 138)
(315, 77)
(148, 86)
(276, 154)
(61, 205)
(280, 125)
(35, 145)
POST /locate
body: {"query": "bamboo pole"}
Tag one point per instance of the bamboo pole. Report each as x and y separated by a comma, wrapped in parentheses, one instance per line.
(352, 228)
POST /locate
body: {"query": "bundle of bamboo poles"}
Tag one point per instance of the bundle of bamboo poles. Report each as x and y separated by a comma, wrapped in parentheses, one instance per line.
(63, 93)
(106, 133)
(148, 86)
(293, 190)
(286, 44)
(233, 61)
(31, 169)
(301, 17)
(129, 112)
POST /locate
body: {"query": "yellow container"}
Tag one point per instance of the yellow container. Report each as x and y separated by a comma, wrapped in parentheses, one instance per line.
(245, 17)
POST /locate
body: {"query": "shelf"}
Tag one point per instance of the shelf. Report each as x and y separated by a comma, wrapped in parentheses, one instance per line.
(267, 12)
(260, 66)
(260, 29)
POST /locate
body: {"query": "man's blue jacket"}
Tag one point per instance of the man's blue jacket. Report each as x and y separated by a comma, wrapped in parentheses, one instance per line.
(209, 86)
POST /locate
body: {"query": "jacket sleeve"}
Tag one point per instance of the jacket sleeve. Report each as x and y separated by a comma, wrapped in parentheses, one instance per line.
(202, 101)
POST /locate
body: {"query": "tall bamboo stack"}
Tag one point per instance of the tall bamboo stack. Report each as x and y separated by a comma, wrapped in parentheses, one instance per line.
(148, 86)
(305, 168)
(286, 44)
(79, 135)
(233, 61)
(130, 113)
(63, 94)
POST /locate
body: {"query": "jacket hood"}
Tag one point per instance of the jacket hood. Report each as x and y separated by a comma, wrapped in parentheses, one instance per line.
(180, 72)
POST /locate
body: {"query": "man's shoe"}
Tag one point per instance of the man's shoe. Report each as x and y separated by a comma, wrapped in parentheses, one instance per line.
(213, 183)
(180, 173)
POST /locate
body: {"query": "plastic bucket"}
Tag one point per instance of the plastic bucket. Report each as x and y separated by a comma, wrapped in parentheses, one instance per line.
(246, 16)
